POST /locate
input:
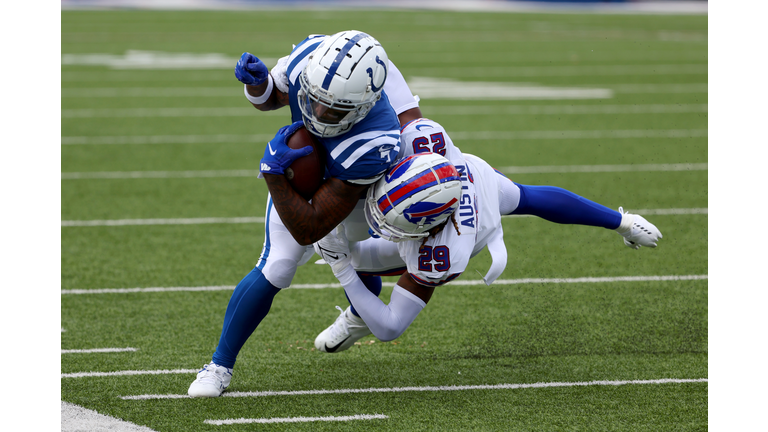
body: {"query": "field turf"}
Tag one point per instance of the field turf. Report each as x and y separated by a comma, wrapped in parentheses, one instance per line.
(146, 143)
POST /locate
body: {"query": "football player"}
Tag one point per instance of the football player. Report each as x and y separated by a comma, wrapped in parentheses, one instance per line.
(346, 92)
(439, 207)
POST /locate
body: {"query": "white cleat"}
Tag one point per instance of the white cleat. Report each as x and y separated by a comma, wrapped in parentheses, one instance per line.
(343, 333)
(211, 381)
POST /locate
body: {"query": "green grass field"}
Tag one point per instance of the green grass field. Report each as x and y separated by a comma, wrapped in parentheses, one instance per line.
(641, 145)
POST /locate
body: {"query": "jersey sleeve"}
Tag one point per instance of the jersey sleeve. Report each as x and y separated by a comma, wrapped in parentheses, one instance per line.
(400, 96)
(280, 74)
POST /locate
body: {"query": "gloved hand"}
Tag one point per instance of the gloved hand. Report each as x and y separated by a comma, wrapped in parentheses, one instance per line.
(278, 156)
(637, 231)
(250, 70)
(334, 249)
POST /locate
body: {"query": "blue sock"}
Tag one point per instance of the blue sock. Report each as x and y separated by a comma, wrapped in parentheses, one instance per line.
(249, 304)
(373, 283)
(565, 207)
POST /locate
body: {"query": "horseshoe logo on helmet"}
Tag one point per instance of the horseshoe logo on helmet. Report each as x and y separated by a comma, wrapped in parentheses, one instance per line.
(370, 74)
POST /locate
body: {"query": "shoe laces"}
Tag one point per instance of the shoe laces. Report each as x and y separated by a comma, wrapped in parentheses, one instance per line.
(341, 325)
(213, 372)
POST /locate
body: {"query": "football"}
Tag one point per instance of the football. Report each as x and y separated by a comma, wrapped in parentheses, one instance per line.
(306, 173)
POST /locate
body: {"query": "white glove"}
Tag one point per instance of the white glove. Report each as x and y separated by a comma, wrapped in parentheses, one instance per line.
(334, 249)
(637, 231)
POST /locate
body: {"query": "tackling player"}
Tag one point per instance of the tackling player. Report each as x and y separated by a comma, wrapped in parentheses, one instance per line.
(439, 212)
(352, 98)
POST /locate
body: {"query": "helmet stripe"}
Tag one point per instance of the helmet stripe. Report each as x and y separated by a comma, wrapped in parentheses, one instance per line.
(339, 57)
(424, 180)
(438, 210)
(446, 172)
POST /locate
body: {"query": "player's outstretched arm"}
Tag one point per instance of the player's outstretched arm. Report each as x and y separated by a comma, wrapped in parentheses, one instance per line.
(386, 322)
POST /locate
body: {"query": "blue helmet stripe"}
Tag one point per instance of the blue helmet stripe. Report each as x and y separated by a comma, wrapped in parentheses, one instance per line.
(339, 57)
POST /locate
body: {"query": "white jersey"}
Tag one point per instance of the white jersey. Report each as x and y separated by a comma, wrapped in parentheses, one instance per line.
(475, 225)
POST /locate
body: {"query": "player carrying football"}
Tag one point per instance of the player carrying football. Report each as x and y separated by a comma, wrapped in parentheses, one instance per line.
(344, 89)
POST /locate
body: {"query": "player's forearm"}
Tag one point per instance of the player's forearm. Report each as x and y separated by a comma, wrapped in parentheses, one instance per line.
(386, 322)
(309, 222)
(258, 97)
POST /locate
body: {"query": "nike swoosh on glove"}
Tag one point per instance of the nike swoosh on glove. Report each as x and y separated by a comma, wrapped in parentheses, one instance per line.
(250, 70)
(334, 249)
(278, 156)
(637, 231)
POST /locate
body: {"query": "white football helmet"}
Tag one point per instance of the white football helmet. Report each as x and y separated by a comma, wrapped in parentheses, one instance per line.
(341, 82)
(418, 193)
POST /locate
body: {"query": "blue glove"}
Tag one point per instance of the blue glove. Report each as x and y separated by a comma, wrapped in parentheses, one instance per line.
(278, 156)
(250, 70)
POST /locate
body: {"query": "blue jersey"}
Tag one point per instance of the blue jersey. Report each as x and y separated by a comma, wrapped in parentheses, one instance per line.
(363, 154)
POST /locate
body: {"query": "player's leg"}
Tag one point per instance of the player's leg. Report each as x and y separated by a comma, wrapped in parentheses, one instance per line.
(554, 204)
(371, 258)
(250, 303)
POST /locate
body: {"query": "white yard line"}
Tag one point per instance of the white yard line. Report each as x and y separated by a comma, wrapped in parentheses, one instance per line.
(457, 283)
(176, 221)
(602, 168)
(235, 91)
(157, 174)
(165, 139)
(486, 110)
(586, 70)
(477, 135)
(75, 418)
(295, 419)
(97, 350)
(256, 219)
(510, 170)
(430, 388)
(128, 373)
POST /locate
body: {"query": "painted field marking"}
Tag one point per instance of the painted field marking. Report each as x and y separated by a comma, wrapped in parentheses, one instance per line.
(603, 168)
(456, 283)
(559, 70)
(478, 135)
(75, 418)
(429, 388)
(230, 91)
(97, 350)
(295, 419)
(128, 373)
(164, 112)
(486, 110)
(255, 219)
(165, 139)
(509, 170)
(185, 221)
(137, 59)
(157, 174)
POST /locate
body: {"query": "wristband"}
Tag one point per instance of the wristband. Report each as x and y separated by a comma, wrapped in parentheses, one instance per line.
(258, 100)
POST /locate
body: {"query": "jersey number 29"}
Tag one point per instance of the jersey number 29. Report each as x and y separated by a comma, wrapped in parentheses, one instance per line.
(440, 255)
